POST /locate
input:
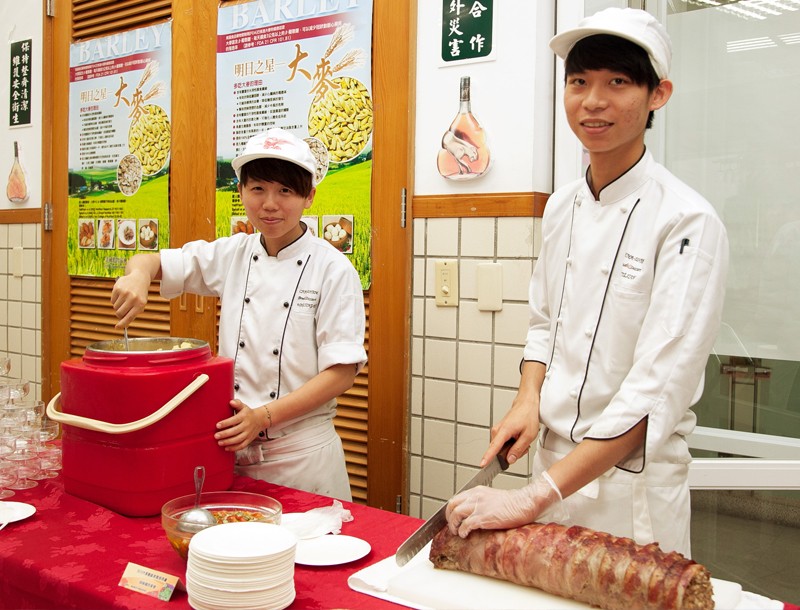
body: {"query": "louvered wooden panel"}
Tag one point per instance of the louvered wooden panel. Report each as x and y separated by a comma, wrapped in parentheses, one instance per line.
(92, 318)
(92, 18)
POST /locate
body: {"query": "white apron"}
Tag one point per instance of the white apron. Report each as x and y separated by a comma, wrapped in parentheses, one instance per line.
(311, 459)
(653, 505)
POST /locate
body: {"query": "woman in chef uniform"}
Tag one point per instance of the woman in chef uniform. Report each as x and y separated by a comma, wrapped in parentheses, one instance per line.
(292, 318)
(625, 303)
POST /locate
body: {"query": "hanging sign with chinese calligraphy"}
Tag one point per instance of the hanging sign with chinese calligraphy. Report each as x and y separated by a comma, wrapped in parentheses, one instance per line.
(119, 149)
(305, 68)
(466, 30)
(19, 86)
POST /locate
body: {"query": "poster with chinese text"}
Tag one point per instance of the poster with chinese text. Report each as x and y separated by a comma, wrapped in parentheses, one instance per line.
(305, 68)
(119, 149)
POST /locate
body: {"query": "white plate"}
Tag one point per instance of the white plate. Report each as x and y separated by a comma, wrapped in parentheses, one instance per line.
(330, 550)
(15, 511)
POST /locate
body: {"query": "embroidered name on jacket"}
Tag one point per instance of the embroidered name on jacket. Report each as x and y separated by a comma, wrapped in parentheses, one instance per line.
(631, 266)
(308, 300)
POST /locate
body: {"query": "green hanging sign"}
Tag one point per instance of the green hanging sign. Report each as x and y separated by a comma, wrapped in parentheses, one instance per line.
(466, 29)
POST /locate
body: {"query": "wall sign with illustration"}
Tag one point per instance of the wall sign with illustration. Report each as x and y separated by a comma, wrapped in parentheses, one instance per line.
(466, 30)
(465, 152)
(119, 149)
(20, 82)
(306, 69)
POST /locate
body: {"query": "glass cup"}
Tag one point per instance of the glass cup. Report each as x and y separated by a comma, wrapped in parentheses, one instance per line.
(32, 410)
(49, 462)
(27, 466)
(5, 365)
(12, 390)
(8, 438)
(46, 432)
(8, 477)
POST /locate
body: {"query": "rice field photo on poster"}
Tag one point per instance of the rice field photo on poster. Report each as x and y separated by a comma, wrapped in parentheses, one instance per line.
(338, 231)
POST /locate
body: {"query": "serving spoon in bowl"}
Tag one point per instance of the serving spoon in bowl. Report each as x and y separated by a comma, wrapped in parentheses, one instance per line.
(196, 519)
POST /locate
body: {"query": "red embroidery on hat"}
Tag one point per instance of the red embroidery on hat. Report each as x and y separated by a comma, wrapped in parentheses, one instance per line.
(276, 143)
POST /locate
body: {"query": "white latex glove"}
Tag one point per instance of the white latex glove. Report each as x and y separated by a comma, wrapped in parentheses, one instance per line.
(488, 508)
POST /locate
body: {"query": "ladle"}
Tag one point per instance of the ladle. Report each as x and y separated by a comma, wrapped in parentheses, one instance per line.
(196, 519)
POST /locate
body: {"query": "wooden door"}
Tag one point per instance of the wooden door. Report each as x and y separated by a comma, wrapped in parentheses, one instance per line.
(372, 416)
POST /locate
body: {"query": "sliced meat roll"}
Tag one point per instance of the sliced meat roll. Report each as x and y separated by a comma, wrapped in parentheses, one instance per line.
(580, 564)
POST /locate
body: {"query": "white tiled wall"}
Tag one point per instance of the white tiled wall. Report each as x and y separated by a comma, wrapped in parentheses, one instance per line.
(464, 361)
(21, 302)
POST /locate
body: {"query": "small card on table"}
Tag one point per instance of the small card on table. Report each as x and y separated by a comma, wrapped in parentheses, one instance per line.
(150, 582)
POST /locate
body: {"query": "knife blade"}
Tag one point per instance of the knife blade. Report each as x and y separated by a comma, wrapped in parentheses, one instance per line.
(425, 533)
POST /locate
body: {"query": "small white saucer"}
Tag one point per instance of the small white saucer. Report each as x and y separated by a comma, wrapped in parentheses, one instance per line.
(15, 511)
(330, 550)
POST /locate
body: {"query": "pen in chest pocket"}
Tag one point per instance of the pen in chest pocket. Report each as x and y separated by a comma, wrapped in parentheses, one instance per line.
(684, 243)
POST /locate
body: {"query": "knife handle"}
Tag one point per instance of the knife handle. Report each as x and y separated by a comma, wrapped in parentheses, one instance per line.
(502, 455)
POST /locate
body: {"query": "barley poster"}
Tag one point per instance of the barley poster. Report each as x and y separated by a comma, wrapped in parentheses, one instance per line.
(119, 149)
(306, 68)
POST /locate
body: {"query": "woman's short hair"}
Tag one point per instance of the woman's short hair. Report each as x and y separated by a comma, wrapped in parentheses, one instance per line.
(277, 170)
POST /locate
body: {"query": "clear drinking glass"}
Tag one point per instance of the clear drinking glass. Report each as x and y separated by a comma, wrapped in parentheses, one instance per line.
(8, 476)
(27, 466)
(49, 462)
(19, 389)
(8, 437)
(32, 410)
(5, 365)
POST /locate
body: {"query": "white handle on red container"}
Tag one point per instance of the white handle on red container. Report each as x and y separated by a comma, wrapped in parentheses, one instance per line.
(101, 426)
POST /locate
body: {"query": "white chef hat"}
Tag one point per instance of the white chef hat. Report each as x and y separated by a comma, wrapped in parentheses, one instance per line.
(276, 143)
(640, 27)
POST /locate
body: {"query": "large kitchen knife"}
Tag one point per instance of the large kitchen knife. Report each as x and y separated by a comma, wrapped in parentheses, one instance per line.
(431, 527)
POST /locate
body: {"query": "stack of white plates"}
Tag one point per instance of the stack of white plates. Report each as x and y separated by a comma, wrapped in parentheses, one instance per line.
(241, 565)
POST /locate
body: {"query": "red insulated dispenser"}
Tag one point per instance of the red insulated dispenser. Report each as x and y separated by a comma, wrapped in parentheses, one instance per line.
(136, 422)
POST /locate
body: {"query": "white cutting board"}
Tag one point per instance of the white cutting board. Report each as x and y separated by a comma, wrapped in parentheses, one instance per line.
(419, 585)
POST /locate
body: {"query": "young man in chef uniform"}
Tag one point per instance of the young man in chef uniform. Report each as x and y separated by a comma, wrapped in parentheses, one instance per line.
(292, 318)
(625, 303)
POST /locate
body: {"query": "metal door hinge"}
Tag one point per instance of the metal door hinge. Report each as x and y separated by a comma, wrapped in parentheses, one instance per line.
(51, 8)
(398, 503)
(403, 208)
(48, 216)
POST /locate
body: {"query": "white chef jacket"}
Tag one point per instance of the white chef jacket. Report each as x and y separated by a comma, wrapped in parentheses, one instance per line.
(283, 319)
(626, 301)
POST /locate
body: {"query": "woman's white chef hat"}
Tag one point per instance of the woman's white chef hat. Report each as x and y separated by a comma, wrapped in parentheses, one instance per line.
(640, 27)
(276, 143)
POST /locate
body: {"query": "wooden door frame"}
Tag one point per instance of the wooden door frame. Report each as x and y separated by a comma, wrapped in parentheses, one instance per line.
(193, 22)
(390, 296)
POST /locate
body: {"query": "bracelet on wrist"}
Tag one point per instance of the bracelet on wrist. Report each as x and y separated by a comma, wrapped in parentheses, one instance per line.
(269, 417)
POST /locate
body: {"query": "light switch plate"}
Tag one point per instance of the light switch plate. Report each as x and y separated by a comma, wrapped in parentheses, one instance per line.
(490, 287)
(16, 261)
(446, 283)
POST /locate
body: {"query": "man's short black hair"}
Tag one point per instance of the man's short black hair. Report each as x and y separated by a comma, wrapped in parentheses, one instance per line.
(608, 52)
(277, 170)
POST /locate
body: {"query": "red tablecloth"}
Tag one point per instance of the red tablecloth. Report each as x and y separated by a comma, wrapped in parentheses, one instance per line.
(71, 553)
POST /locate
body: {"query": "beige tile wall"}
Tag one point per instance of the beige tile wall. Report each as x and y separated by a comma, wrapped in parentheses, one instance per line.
(21, 302)
(464, 361)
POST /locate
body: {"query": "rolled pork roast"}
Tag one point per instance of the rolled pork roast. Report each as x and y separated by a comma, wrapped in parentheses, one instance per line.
(581, 564)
